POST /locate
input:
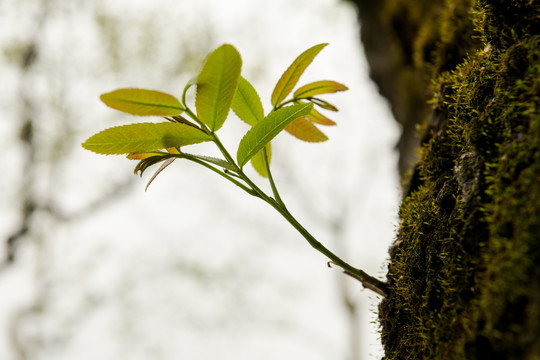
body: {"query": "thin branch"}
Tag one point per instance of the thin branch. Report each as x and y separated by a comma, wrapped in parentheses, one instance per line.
(378, 286)
(271, 179)
(217, 171)
(368, 281)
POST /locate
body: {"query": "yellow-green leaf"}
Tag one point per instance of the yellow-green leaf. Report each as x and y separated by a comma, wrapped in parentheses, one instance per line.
(304, 129)
(319, 87)
(143, 102)
(247, 103)
(216, 86)
(319, 118)
(265, 130)
(172, 150)
(144, 137)
(323, 104)
(139, 155)
(290, 77)
(257, 161)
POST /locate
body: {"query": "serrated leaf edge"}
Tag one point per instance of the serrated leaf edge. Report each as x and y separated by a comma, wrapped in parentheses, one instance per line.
(109, 97)
(290, 77)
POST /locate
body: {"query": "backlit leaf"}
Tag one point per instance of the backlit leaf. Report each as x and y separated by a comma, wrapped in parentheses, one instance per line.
(144, 137)
(247, 103)
(173, 150)
(290, 77)
(216, 161)
(143, 102)
(216, 86)
(319, 118)
(258, 160)
(265, 130)
(323, 104)
(305, 130)
(319, 87)
(140, 156)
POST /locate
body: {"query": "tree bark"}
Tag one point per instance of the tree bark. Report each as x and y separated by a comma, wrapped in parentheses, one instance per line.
(463, 79)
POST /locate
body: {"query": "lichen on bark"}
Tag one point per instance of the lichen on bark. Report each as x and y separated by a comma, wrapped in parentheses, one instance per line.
(464, 271)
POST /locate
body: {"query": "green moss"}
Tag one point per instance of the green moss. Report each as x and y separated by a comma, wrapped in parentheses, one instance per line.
(465, 269)
(505, 22)
(432, 35)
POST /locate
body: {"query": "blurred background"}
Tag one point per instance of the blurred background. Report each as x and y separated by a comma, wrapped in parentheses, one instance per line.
(94, 267)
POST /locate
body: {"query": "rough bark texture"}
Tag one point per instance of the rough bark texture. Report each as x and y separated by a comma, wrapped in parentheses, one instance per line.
(464, 271)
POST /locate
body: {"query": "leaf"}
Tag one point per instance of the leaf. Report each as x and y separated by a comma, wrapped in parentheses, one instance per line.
(216, 161)
(319, 118)
(247, 103)
(265, 130)
(142, 102)
(144, 137)
(181, 119)
(158, 171)
(305, 130)
(319, 87)
(140, 156)
(290, 77)
(173, 150)
(149, 161)
(216, 86)
(257, 161)
(323, 104)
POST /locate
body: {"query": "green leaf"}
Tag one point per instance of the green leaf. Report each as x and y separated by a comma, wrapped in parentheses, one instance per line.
(143, 102)
(257, 161)
(305, 130)
(216, 161)
(247, 103)
(216, 86)
(323, 104)
(290, 77)
(144, 137)
(182, 120)
(265, 130)
(319, 87)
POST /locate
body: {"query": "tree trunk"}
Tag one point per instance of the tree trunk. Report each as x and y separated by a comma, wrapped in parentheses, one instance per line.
(464, 271)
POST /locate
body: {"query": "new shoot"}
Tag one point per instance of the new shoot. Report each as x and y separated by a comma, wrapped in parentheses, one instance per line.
(220, 87)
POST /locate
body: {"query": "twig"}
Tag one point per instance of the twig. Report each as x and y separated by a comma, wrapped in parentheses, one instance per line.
(368, 282)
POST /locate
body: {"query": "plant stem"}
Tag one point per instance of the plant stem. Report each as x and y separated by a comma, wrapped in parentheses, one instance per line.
(219, 172)
(192, 115)
(271, 179)
(367, 281)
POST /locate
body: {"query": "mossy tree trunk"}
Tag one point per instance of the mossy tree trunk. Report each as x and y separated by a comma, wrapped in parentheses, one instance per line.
(464, 271)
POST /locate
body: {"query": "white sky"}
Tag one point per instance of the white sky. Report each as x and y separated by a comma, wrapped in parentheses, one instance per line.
(193, 268)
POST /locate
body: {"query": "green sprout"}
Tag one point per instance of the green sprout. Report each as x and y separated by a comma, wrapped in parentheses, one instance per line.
(220, 87)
